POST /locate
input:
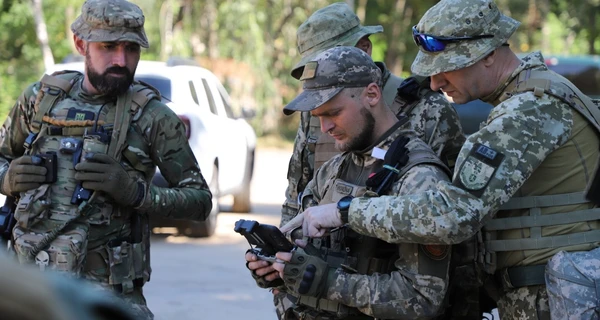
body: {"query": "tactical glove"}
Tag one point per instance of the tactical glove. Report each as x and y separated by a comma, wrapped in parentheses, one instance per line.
(102, 172)
(24, 173)
(306, 274)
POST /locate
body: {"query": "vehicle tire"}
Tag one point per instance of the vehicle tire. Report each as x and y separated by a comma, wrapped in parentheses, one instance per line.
(241, 200)
(206, 228)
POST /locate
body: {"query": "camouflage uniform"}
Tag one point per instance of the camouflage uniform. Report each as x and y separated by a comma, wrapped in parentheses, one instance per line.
(432, 117)
(100, 239)
(532, 158)
(410, 280)
(572, 279)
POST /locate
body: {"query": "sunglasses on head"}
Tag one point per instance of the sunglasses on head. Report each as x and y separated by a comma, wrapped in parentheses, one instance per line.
(431, 43)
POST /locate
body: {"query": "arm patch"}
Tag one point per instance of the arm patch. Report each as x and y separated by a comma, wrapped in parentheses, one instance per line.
(478, 169)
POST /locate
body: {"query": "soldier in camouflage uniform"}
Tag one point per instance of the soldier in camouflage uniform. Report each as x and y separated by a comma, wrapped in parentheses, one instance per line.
(522, 175)
(80, 151)
(344, 275)
(431, 115)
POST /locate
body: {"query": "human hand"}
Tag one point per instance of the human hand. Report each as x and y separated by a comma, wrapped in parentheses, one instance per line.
(319, 219)
(23, 174)
(262, 271)
(303, 273)
(102, 172)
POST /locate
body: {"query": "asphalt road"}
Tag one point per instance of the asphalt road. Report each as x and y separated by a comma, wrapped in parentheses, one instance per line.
(207, 278)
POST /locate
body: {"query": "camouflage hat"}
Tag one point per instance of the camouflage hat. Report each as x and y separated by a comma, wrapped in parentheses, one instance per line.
(110, 20)
(461, 18)
(334, 25)
(329, 73)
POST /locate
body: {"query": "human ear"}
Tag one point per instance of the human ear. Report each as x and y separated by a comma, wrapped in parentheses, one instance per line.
(373, 94)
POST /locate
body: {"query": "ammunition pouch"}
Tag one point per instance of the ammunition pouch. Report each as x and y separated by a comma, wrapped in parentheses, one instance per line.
(65, 253)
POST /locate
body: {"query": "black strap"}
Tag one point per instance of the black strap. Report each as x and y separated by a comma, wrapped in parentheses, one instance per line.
(517, 277)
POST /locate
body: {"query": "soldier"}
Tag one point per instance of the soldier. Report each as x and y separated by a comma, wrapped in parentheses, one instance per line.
(80, 151)
(431, 115)
(522, 176)
(345, 275)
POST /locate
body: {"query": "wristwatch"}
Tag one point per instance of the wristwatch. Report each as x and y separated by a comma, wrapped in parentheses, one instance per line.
(343, 205)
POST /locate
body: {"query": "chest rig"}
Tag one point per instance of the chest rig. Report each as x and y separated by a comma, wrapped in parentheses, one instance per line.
(54, 220)
(346, 249)
(541, 82)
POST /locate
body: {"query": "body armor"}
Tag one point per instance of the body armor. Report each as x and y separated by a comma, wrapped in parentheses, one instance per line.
(60, 223)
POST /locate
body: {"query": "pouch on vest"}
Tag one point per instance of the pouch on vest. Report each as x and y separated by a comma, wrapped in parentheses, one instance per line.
(64, 254)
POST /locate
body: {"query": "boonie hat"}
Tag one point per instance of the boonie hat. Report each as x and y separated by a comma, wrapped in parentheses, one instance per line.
(334, 25)
(110, 20)
(329, 73)
(461, 18)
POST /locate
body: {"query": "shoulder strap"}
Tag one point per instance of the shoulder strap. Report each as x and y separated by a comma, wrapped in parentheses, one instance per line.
(540, 82)
(409, 93)
(52, 89)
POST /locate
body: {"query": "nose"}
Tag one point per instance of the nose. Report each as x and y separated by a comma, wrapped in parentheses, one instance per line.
(438, 81)
(119, 57)
(326, 124)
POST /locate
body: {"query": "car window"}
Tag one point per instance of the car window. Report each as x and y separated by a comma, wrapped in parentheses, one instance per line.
(162, 84)
(193, 92)
(209, 96)
(226, 102)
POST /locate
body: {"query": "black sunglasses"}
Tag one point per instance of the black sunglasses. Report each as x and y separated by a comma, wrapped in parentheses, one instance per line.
(431, 43)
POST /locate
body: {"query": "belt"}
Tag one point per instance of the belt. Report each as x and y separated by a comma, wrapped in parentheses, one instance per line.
(517, 277)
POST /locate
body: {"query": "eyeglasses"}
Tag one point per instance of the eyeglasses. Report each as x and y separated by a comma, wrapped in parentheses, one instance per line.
(431, 43)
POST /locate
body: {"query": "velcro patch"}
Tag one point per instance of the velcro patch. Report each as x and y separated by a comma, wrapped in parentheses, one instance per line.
(80, 115)
(479, 168)
(435, 252)
(310, 70)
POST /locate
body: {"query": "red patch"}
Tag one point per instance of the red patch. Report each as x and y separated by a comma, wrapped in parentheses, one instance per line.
(436, 252)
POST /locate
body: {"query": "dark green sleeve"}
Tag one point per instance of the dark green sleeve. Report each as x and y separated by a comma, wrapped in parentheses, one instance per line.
(188, 196)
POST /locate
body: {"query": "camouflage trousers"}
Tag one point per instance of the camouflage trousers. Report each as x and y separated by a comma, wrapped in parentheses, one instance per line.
(134, 301)
(525, 303)
(573, 280)
(282, 304)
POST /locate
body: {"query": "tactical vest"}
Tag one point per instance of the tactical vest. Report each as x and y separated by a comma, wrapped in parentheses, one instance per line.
(355, 253)
(524, 214)
(401, 96)
(54, 220)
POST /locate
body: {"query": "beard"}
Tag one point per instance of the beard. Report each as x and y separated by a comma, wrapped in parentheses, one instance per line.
(364, 138)
(106, 83)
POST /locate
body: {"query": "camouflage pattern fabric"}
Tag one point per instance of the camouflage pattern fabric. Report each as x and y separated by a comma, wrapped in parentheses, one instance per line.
(110, 20)
(156, 138)
(572, 280)
(461, 18)
(525, 303)
(433, 119)
(408, 291)
(523, 130)
(333, 25)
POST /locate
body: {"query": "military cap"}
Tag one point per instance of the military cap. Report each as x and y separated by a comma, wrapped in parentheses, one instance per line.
(334, 25)
(461, 18)
(329, 73)
(110, 20)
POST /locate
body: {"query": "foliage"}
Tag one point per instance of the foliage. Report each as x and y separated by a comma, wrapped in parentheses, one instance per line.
(251, 44)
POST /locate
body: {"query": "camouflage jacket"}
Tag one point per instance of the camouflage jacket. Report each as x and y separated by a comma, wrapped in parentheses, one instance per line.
(157, 138)
(520, 134)
(418, 283)
(433, 119)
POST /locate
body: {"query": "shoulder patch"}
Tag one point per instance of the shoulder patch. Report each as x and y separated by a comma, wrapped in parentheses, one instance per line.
(479, 168)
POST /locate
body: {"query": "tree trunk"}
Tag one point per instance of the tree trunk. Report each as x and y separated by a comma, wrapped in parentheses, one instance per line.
(213, 29)
(42, 33)
(166, 30)
(593, 29)
(361, 10)
(399, 23)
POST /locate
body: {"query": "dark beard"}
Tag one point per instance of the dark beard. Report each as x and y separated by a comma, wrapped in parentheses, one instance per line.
(364, 139)
(105, 83)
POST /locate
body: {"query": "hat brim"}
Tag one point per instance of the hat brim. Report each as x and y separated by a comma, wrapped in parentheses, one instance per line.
(349, 40)
(464, 53)
(311, 99)
(85, 32)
